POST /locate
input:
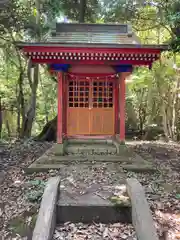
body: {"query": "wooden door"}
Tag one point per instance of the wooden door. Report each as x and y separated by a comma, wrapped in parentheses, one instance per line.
(102, 110)
(78, 119)
(90, 107)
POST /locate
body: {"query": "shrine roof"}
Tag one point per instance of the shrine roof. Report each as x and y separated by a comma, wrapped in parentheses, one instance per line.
(93, 33)
(83, 35)
(109, 44)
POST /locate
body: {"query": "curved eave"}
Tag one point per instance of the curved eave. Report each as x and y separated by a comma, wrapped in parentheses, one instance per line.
(109, 54)
(92, 45)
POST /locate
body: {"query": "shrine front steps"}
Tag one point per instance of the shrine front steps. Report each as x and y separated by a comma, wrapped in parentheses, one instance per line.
(90, 147)
(46, 163)
(93, 206)
(90, 152)
(66, 204)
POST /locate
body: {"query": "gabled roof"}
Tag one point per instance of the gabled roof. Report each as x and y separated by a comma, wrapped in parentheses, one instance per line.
(108, 44)
(93, 34)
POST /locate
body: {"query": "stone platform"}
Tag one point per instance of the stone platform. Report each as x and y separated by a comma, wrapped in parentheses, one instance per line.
(79, 153)
(92, 185)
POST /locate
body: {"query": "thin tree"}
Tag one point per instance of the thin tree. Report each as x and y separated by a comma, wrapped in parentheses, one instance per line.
(82, 11)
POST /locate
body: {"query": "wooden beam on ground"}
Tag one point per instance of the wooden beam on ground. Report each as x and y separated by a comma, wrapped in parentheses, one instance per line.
(46, 221)
(141, 215)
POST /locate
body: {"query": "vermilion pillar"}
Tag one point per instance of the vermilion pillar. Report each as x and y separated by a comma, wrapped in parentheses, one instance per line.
(122, 103)
(60, 109)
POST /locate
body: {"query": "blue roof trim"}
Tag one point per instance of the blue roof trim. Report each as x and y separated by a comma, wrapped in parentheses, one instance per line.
(65, 67)
(59, 67)
(123, 68)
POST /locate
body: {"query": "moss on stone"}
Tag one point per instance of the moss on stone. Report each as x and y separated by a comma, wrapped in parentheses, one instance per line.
(23, 225)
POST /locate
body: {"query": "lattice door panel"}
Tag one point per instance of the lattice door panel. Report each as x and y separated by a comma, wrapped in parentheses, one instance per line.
(102, 113)
(102, 94)
(78, 114)
(78, 94)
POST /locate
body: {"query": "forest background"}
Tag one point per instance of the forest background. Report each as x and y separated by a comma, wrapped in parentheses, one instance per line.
(27, 94)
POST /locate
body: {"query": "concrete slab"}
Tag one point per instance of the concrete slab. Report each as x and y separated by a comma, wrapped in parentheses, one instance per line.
(139, 168)
(82, 159)
(88, 214)
(95, 204)
(41, 167)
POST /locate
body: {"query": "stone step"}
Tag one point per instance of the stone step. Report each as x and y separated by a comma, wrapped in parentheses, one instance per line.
(84, 159)
(93, 213)
(90, 149)
(90, 141)
(90, 207)
(148, 168)
(40, 167)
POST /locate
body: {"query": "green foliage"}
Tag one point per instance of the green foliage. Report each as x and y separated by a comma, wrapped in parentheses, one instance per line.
(34, 194)
(31, 21)
(151, 96)
(178, 196)
(71, 9)
(175, 44)
(120, 201)
(155, 15)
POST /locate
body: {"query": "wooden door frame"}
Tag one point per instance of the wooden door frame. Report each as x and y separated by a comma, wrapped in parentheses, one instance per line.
(115, 103)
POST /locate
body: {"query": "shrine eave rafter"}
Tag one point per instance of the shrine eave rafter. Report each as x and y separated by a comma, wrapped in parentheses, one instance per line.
(92, 45)
(112, 54)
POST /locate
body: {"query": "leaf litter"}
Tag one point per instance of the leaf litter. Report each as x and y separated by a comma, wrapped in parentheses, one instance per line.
(94, 231)
(162, 189)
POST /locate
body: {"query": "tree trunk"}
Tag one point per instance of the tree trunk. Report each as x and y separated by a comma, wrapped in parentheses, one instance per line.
(18, 120)
(0, 117)
(33, 82)
(49, 132)
(21, 103)
(175, 111)
(82, 11)
(8, 128)
(45, 106)
(29, 117)
(165, 123)
(163, 111)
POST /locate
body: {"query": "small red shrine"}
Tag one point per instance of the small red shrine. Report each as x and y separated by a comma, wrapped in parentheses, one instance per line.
(92, 62)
